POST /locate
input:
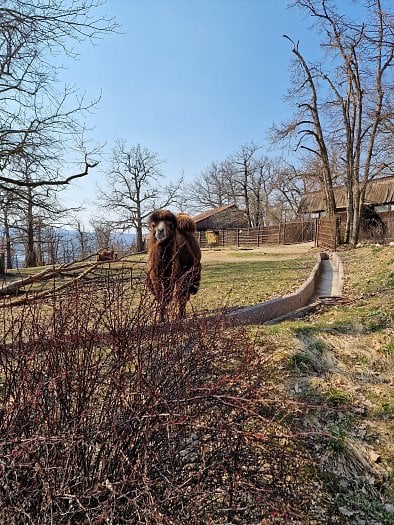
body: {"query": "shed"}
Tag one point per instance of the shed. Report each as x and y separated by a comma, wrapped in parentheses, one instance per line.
(221, 218)
(379, 196)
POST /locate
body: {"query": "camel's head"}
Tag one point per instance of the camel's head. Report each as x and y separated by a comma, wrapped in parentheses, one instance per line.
(162, 224)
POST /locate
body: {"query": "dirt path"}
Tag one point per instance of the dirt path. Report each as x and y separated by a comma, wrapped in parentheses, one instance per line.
(267, 252)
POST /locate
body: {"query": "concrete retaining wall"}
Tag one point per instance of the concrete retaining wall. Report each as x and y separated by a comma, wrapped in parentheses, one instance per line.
(338, 267)
(274, 308)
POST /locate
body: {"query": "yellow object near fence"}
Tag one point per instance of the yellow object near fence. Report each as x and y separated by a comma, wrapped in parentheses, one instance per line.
(212, 238)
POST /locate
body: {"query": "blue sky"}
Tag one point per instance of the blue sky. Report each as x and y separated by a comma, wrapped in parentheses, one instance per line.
(192, 80)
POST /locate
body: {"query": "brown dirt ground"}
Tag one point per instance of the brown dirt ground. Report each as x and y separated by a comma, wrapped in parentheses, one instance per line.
(264, 253)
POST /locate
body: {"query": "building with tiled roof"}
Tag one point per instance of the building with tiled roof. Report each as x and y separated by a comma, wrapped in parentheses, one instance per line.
(221, 218)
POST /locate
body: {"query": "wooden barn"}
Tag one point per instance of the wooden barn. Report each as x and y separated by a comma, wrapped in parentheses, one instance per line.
(221, 218)
(378, 213)
(379, 197)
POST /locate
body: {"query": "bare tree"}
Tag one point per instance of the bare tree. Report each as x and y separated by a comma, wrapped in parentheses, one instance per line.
(261, 188)
(82, 238)
(290, 184)
(213, 188)
(252, 175)
(243, 178)
(33, 113)
(102, 230)
(40, 123)
(307, 127)
(346, 104)
(7, 205)
(134, 188)
(244, 164)
(33, 209)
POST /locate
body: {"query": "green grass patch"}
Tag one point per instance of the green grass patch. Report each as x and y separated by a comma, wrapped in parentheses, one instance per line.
(302, 362)
(377, 320)
(386, 409)
(388, 349)
(337, 439)
(248, 282)
(336, 397)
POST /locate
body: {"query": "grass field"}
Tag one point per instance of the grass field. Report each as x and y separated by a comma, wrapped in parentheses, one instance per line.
(244, 278)
(236, 277)
(341, 360)
(230, 278)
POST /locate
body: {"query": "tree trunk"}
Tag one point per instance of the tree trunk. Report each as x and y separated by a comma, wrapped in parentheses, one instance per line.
(8, 247)
(39, 245)
(2, 263)
(329, 192)
(30, 252)
(139, 239)
(349, 209)
(358, 197)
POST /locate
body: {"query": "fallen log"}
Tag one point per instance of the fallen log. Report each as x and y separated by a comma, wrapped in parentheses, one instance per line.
(74, 271)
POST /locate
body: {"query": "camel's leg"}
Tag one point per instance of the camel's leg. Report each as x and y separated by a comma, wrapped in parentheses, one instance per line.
(182, 301)
(163, 308)
(163, 300)
(162, 311)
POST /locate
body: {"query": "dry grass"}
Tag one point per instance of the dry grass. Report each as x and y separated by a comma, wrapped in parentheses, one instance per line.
(342, 359)
(236, 278)
(230, 277)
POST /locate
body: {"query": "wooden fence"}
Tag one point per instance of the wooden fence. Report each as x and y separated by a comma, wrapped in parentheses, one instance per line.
(288, 233)
(326, 233)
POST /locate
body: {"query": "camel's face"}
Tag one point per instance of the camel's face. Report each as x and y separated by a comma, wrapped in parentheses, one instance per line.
(164, 230)
(162, 224)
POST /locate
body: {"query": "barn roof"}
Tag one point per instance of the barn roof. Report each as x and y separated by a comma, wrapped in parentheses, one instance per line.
(379, 191)
(210, 213)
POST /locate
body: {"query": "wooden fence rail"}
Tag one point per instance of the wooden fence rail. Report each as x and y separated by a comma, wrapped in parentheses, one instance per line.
(288, 233)
(325, 232)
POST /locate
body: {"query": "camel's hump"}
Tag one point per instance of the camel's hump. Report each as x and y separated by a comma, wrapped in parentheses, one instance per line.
(185, 223)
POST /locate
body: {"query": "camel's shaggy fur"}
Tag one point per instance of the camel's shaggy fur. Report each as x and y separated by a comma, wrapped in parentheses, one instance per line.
(174, 259)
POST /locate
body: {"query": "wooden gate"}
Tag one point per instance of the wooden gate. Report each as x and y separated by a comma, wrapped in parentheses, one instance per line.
(326, 233)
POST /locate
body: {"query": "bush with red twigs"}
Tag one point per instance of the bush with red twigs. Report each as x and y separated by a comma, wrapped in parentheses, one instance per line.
(107, 417)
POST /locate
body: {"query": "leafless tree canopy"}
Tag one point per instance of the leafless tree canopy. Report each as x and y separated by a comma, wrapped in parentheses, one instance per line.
(344, 105)
(41, 130)
(266, 189)
(135, 186)
(37, 118)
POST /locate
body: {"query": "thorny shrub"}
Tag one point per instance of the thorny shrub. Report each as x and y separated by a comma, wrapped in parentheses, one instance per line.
(107, 416)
